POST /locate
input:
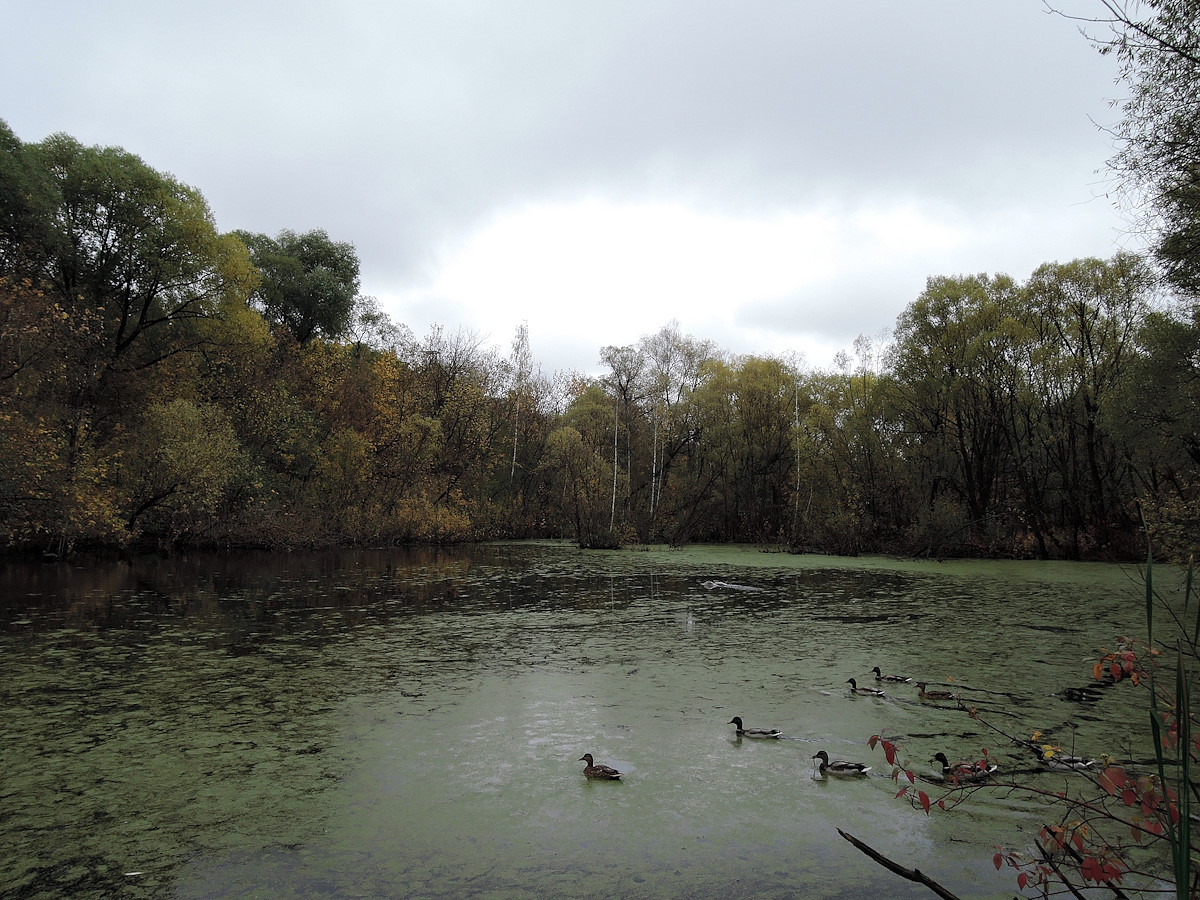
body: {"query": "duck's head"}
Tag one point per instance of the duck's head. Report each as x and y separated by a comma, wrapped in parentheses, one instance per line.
(921, 685)
(941, 757)
(878, 674)
(853, 684)
(736, 720)
(822, 756)
(587, 758)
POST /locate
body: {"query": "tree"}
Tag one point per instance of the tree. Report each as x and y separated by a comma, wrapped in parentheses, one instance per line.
(626, 365)
(951, 351)
(522, 365)
(108, 234)
(26, 205)
(309, 282)
(181, 458)
(1155, 412)
(125, 265)
(763, 406)
(673, 372)
(1157, 46)
(1085, 315)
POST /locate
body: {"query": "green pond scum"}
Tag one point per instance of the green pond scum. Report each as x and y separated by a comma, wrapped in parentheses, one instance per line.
(409, 722)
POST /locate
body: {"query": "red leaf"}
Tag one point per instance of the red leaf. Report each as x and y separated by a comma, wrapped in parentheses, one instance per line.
(998, 861)
(873, 741)
(889, 752)
(1115, 671)
(903, 791)
(1113, 778)
(1129, 796)
(1077, 840)
(911, 777)
(1022, 880)
(924, 798)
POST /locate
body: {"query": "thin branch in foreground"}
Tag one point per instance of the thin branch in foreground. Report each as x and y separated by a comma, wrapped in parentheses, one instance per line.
(911, 874)
(1057, 871)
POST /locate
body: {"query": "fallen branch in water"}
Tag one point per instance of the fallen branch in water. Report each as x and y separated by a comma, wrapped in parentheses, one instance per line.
(911, 874)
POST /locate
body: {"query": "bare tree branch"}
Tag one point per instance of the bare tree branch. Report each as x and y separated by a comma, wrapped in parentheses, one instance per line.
(911, 874)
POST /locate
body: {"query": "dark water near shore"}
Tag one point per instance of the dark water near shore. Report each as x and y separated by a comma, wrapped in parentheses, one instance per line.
(408, 723)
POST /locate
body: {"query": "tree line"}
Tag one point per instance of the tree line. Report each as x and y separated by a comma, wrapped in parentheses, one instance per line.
(163, 384)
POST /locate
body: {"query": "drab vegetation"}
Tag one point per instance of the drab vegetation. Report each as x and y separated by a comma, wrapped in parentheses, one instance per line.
(162, 384)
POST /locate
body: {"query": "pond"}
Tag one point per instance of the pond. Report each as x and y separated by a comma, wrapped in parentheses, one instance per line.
(410, 722)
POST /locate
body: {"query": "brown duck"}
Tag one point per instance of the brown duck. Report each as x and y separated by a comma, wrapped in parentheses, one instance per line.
(591, 770)
(933, 695)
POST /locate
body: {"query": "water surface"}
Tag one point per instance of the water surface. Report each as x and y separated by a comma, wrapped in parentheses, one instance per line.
(408, 723)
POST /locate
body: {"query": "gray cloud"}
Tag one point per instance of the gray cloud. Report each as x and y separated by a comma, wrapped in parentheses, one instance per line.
(404, 126)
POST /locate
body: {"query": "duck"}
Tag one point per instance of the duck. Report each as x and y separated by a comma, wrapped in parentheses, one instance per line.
(1052, 760)
(591, 770)
(894, 679)
(864, 691)
(840, 767)
(933, 695)
(742, 731)
(965, 771)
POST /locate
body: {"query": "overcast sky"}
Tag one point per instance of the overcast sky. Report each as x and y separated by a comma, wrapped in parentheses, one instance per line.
(776, 176)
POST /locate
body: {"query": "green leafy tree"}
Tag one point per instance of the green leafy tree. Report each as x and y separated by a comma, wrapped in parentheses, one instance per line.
(26, 206)
(581, 478)
(1154, 413)
(951, 353)
(1085, 316)
(129, 263)
(309, 282)
(177, 465)
(111, 235)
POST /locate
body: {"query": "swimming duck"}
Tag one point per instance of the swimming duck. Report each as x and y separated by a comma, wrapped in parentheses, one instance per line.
(864, 691)
(894, 679)
(840, 767)
(1053, 760)
(965, 771)
(754, 732)
(933, 695)
(591, 770)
